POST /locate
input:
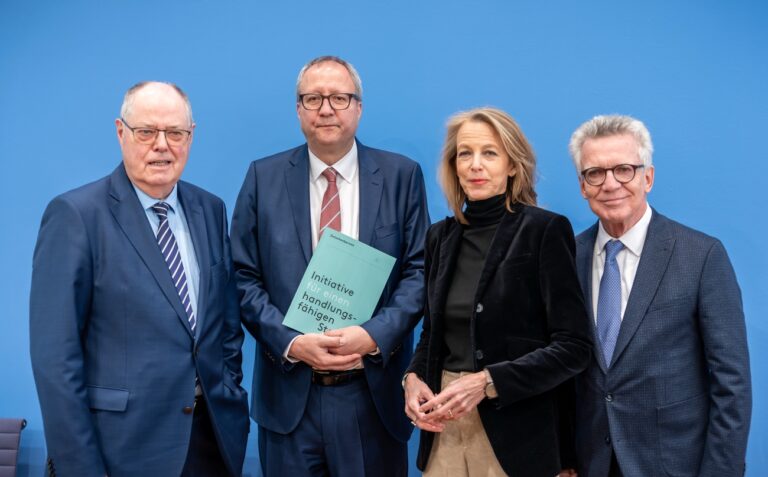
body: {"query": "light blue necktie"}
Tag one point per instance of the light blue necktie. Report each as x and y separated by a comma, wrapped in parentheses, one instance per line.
(170, 250)
(609, 301)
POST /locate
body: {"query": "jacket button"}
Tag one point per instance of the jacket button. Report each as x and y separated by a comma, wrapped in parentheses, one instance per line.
(187, 410)
(479, 308)
(479, 354)
(609, 397)
(607, 440)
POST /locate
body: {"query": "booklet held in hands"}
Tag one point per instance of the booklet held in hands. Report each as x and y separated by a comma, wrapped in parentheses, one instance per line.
(341, 286)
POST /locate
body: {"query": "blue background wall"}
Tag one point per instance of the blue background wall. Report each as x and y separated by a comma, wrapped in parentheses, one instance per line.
(694, 71)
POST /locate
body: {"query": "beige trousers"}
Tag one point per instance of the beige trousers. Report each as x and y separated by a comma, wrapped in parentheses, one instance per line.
(462, 449)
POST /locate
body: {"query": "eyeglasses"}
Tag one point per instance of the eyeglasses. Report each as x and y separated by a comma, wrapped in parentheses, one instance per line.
(337, 101)
(623, 173)
(145, 135)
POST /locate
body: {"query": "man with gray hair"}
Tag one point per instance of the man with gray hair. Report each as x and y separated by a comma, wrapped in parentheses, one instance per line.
(669, 391)
(134, 322)
(330, 404)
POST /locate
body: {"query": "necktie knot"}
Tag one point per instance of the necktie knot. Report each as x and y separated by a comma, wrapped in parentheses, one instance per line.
(161, 209)
(612, 248)
(330, 174)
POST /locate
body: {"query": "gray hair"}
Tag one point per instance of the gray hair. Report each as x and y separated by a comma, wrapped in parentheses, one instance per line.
(335, 59)
(612, 125)
(130, 95)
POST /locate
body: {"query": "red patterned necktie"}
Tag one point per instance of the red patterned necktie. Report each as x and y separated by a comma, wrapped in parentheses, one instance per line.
(330, 214)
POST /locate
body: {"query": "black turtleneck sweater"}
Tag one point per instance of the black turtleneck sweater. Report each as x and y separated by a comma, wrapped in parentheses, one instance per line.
(483, 217)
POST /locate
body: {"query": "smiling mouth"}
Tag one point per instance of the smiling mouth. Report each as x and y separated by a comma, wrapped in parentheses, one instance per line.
(160, 163)
(613, 201)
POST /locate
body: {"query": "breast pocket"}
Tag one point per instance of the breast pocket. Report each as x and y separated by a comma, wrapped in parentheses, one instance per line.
(387, 239)
(386, 230)
(523, 260)
(218, 273)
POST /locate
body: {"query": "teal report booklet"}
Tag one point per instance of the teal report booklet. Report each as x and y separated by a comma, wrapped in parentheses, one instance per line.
(341, 286)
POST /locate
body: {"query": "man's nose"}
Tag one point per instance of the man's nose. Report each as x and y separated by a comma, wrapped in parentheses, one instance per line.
(610, 180)
(161, 141)
(325, 107)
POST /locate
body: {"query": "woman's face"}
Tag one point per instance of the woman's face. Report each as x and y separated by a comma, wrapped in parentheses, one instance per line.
(482, 164)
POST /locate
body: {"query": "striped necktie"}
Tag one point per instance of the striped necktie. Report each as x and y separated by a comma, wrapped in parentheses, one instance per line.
(330, 214)
(170, 250)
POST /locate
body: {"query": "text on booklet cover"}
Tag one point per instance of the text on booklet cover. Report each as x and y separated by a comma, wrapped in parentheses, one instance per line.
(341, 285)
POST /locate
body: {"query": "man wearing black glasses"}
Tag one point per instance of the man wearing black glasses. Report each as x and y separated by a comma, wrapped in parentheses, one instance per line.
(668, 391)
(134, 324)
(329, 404)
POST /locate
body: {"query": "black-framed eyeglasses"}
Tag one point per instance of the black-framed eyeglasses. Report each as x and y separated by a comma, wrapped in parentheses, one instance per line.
(337, 101)
(147, 135)
(623, 173)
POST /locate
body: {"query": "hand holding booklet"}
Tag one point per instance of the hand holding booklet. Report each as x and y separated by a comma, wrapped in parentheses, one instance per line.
(341, 286)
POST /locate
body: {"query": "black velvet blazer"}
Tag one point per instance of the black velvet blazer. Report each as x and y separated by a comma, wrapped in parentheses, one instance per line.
(529, 329)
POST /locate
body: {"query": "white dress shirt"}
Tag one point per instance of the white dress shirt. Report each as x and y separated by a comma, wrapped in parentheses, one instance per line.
(348, 184)
(628, 258)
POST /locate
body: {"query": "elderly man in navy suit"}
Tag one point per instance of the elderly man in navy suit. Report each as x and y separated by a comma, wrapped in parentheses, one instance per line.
(134, 324)
(668, 392)
(330, 404)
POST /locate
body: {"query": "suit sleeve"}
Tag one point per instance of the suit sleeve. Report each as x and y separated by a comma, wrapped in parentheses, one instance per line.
(570, 346)
(62, 286)
(260, 317)
(390, 325)
(723, 332)
(233, 331)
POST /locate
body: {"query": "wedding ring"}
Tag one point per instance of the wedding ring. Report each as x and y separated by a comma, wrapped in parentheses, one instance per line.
(450, 413)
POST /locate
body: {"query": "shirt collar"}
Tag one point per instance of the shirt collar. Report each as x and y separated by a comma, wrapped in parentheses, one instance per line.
(346, 167)
(147, 202)
(633, 239)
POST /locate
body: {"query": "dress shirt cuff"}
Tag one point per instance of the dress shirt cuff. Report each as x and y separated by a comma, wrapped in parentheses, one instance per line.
(286, 357)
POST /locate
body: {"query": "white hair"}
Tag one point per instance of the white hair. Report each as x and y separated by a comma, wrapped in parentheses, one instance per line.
(612, 125)
(130, 95)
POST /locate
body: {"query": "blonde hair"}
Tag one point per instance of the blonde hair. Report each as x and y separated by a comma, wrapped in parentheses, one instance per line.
(521, 158)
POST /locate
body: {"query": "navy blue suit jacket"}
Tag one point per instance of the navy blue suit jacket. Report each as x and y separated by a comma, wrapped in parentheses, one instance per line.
(272, 245)
(677, 398)
(113, 356)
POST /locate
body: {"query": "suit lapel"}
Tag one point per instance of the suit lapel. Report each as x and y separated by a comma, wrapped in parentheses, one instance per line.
(297, 185)
(193, 211)
(653, 263)
(371, 185)
(584, 255)
(449, 251)
(128, 213)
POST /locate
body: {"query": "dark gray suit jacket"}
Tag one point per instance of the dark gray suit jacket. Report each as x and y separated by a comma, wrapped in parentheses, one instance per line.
(677, 399)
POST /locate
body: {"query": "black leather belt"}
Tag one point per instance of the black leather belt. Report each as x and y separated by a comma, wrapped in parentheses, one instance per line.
(334, 378)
